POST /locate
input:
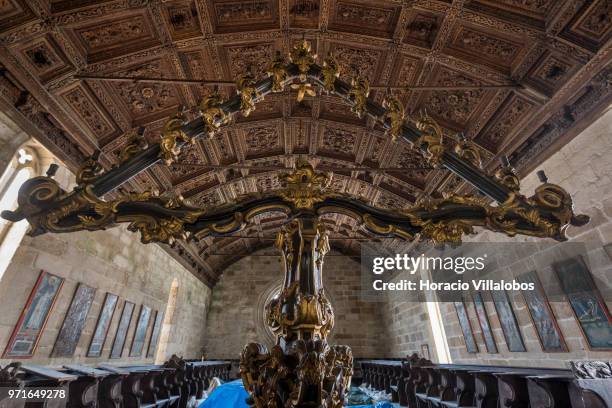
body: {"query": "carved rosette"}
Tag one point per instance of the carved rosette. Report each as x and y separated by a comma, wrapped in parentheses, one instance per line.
(302, 369)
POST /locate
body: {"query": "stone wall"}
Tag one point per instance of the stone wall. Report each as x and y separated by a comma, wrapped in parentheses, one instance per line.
(584, 168)
(111, 261)
(236, 317)
(407, 325)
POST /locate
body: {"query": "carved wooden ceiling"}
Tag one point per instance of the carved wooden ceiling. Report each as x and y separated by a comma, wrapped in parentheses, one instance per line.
(557, 53)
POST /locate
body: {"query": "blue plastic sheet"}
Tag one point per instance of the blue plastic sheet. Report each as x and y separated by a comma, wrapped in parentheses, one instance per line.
(233, 395)
(228, 395)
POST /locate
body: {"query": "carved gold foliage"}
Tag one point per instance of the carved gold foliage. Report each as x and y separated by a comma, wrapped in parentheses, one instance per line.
(430, 140)
(395, 115)
(153, 230)
(302, 56)
(212, 113)
(137, 144)
(507, 176)
(304, 187)
(468, 151)
(245, 87)
(446, 232)
(171, 135)
(360, 90)
(330, 71)
(90, 170)
(303, 89)
(278, 72)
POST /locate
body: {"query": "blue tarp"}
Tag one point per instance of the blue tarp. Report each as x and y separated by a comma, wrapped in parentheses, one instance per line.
(233, 395)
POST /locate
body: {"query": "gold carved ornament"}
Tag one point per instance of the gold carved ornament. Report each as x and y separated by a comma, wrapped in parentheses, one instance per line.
(467, 150)
(430, 140)
(301, 55)
(330, 71)
(302, 369)
(359, 92)
(304, 187)
(171, 134)
(245, 87)
(395, 115)
(137, 144)
(212, 113)
(278, 72)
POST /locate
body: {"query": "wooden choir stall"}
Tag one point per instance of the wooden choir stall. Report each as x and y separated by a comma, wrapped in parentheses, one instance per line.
(419, 383)
(176, 383)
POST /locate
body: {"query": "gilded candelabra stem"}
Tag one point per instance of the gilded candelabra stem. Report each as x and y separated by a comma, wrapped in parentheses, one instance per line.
(302, 369)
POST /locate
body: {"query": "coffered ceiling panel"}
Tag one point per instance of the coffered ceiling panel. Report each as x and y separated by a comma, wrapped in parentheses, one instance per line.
(517, 77)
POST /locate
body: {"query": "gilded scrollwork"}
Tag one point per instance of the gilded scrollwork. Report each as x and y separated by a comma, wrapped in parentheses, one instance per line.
(330, 72)
(90, 170)
(171, 137)
(508, 177)
(212, 113)
(360, 90)
(430, 139)
(246, 89)
(137, 144)
(395, 115)
(467, 150)
(278, 72)
(302, 56)
(304, 187)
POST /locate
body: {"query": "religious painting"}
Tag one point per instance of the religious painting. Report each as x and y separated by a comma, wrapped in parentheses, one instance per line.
(70, 333)
(122, 329)
(102, 326)
(483, 320)
(159, 319)
(466, 327)
(587, 304)
(508, 321)
(425, 352)
(542, 316)
(141, 331)
(33, 318)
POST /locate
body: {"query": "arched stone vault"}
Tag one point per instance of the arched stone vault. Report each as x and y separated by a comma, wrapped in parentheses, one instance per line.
(556, 52)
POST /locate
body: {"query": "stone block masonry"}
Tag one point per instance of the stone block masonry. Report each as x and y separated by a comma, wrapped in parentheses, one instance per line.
(111, 261)
(236, 317)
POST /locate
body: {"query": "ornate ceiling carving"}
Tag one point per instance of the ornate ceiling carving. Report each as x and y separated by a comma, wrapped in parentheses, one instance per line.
(559, 52)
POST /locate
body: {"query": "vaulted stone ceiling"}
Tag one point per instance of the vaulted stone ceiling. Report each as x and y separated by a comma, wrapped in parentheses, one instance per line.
(557, 54)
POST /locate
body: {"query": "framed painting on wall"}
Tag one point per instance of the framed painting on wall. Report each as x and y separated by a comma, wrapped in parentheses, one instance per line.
(102, 326)
(72, 327)
(122, 329)
(141, 331)
(33, 318)
(542, 316)
(483, 321)
(159, 318)
(466, 327)
(587, 304)
(508, 321)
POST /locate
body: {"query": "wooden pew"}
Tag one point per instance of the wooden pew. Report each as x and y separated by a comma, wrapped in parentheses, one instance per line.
(465, 386)
(84, 390)
(43, 378)
(591, 387)
(109, 390)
